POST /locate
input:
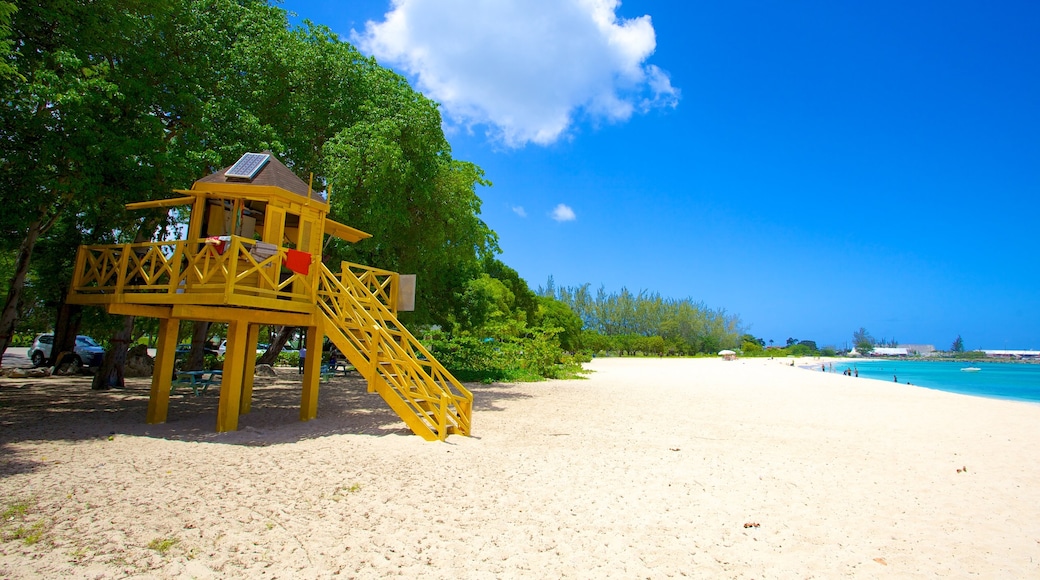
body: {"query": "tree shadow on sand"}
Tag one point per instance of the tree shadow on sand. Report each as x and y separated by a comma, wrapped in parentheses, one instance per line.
(66, 409)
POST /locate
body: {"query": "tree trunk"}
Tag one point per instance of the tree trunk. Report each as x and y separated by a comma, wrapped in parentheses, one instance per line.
(111, 372)
(197, 358)
(66, 327)
(17, 283)
(271, 355)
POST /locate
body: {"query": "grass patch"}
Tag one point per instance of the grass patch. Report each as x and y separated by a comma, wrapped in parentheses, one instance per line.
(17, 510)
(163, 545)
(14, 524)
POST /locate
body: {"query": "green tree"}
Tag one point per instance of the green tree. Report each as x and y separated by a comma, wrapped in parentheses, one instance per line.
(863, 341)
(115, 102)
(554, 314)
(958, 344)
(751, 348)
(7, 10)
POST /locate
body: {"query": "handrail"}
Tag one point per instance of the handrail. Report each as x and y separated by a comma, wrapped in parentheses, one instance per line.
(383, 284)
(389, 354)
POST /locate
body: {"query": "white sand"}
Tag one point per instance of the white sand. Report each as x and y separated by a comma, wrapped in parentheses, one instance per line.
(649, 469)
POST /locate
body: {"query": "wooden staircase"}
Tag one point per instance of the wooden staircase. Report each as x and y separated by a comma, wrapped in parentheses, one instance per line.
(418, 388)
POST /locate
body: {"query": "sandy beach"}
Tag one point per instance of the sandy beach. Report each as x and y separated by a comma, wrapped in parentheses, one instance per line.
(650, 468)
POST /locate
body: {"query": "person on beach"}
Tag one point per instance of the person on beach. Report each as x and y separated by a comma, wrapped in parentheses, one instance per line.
(303, 357)
(895, 379)
(857, 373)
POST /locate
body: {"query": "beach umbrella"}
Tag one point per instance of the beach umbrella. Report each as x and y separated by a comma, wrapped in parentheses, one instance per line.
(726, 352)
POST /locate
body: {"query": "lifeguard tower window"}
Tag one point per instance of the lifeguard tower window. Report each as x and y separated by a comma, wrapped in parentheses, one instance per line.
(248, 166)
(225, 219)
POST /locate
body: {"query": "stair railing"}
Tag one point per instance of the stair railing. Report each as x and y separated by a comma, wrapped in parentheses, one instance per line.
(388, 355)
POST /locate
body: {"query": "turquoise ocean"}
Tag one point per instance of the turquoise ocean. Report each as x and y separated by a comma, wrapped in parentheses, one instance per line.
(1015, 381)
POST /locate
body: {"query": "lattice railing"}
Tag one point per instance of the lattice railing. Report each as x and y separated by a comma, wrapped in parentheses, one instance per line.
(383, 284)
(426, 396)
(179, 269)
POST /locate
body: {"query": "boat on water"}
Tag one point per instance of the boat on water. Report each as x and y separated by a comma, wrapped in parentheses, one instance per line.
(970, 369)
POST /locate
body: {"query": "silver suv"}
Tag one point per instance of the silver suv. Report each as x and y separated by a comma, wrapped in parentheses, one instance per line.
(88, 352)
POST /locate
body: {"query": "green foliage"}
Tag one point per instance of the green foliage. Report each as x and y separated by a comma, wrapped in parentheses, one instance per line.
(7, 10)
(863, 341)
(972, 355)
(16, 524)
(683, 326)
(163, 545)
(487, 309)
(123, 102)
(800, 349)
(530, 358)
(809, 344)
(750, 348)
(958, 345)
(753, 339)
(553, 314)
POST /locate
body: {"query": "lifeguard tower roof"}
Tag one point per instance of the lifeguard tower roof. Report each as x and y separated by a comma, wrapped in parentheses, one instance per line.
(263, 169)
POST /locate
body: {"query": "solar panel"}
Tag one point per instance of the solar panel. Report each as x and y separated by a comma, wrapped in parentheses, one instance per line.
(248, 166)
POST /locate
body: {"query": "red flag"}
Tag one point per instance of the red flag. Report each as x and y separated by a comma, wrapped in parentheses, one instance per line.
(297, 261)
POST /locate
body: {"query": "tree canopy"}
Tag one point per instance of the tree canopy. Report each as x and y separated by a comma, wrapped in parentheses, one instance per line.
(108, 102)
(863, 341)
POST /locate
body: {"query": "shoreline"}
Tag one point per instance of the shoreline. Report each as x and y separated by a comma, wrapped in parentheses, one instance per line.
(649, 467)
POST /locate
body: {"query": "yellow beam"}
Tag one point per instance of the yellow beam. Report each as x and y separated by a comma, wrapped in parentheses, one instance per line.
(127, 309)
(253, 191)
(173, 201)
(344, 232)
(222, 314)
(162, 373)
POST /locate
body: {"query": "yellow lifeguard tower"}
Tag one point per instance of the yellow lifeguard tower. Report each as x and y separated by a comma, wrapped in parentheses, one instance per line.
(252, 256)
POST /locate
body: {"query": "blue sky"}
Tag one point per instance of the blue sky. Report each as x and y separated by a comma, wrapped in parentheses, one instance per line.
(812, 167)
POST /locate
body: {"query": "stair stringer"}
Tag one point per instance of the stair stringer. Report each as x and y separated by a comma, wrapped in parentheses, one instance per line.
(418, 388)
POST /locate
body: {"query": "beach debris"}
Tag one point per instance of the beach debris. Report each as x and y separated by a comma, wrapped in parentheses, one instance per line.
(673, 448)
(752, 525)
(881, 561)
(962, 470)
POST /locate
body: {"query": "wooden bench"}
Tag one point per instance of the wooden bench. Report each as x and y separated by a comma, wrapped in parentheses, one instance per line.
(197, 380)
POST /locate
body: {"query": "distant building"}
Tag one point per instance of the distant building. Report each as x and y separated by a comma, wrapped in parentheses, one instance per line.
(919, 349)
(889, 351)
(1016, 354)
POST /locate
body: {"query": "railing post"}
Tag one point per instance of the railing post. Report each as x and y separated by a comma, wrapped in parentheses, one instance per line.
(442, 417)
(81, 263)
(124, 260)
(176, 263)
(231, 255)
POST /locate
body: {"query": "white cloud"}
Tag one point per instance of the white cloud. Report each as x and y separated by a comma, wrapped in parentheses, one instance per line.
(524, 69)
(519, 210)
(563, 213)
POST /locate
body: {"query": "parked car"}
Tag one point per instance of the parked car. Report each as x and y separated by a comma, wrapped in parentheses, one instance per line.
(184, 349)
(261, 348)
(88, 353)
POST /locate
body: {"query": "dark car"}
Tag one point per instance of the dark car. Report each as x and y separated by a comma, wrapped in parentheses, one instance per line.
(185, 349)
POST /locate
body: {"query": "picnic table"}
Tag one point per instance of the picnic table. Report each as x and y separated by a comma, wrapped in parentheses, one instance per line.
(330, 370)
(197, 380)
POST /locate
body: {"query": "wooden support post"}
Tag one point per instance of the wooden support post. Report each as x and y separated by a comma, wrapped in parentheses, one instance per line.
(249, 369)
(231, 381)
(311, 373)
(162, 371)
